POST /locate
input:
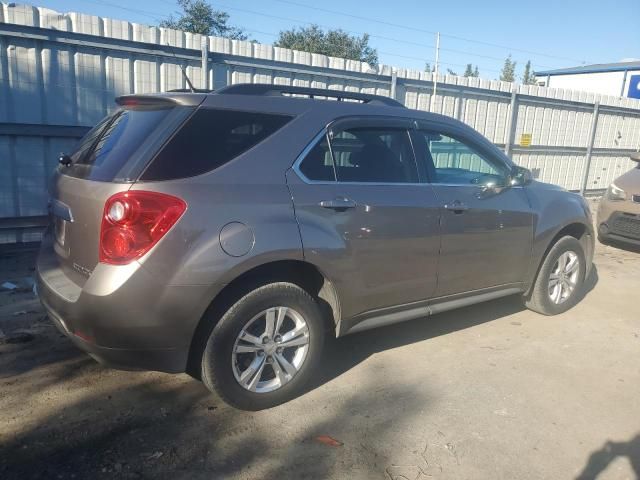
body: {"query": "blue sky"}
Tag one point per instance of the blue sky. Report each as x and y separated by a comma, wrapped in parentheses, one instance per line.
(552, 34)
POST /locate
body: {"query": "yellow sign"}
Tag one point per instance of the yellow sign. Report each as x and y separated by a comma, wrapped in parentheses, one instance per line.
(525, 140)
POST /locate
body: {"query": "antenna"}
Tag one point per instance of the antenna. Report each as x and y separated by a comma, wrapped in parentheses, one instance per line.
(186, 77)
(182, 69)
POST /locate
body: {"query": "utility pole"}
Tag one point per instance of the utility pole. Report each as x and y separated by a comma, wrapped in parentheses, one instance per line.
(435, 73)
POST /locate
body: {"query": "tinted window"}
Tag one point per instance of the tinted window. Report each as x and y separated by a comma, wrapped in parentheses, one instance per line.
(209, 139)
(454, 162)
(318, 164)
(106, 152)
(374, 155)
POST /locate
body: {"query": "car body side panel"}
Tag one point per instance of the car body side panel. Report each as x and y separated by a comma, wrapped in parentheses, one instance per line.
(555, 209)
(487, 245)
(192, 253)
(382, 253)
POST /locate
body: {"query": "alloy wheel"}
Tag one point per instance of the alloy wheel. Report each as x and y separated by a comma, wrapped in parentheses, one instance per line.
(564, 277)
(270, 349)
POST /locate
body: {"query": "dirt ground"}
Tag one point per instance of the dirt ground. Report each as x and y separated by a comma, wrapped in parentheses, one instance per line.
(487, 392)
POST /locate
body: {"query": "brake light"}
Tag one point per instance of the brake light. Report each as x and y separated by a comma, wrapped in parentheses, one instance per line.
(135, 221)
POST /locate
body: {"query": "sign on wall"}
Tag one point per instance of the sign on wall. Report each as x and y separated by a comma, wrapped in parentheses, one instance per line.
(634, 86)
(525, 140)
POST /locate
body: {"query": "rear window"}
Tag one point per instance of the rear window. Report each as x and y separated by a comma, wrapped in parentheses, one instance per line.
(210, 139)
(108, 151)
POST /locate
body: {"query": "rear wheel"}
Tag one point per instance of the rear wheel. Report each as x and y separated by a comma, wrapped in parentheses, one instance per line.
(560, 281)
(263, 351)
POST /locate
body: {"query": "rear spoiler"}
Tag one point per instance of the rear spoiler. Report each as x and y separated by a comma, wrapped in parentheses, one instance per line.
(169, 99)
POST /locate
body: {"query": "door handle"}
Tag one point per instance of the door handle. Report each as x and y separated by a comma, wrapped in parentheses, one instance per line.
(339, 204)
(456, 207)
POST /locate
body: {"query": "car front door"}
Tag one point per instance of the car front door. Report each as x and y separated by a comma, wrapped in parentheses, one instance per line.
(367, 218)
(486, 224)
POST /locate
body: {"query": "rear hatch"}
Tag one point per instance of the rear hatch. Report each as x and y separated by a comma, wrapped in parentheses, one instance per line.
(106, 161)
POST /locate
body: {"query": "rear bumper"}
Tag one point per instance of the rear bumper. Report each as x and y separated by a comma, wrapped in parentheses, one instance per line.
(122, 316)
(161, 360)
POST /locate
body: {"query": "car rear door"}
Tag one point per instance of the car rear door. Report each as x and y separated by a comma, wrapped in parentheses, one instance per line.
(367, 218)
(486, 224)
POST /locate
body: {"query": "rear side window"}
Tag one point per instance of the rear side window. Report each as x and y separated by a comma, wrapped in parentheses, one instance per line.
(374, 155)
(106, 153)
(318, 164)
(210, 139)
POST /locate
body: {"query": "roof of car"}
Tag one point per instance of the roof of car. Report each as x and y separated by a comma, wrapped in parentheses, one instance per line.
(292, 100)
(185, 96)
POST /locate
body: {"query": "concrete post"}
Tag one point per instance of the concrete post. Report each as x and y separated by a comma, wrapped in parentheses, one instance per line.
(592, 138)
(204, 70)
(394, 85)
(512, 124)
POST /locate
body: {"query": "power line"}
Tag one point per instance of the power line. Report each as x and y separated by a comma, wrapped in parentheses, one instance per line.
(151, 15)
(390, 54)
(398, 40)
(144, 13)
(262, 14)
(415, 29)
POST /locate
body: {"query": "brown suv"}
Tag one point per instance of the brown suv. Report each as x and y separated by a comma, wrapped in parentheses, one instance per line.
(619, 211)
(229, 234)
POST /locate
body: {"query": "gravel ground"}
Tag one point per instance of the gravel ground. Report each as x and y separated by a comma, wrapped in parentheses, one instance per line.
(491, 391)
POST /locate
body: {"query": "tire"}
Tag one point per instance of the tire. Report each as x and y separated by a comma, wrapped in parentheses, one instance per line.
(541, 298)
(223, 364)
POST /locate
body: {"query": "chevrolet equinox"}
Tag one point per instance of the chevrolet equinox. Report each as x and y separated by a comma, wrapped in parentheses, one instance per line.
(228, 234)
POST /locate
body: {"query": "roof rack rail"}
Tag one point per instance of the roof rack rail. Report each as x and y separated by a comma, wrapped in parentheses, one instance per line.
(279, 90)
(188, 90)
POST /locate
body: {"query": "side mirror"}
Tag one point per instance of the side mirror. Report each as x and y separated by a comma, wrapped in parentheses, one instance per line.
(635, 156)
(521, 176)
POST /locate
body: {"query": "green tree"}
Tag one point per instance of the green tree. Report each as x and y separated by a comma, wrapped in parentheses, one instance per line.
(429, 68)
(198, 16)
(470, 71)
(335, 43)
(508, 73)
(528, 78)
(451, 72)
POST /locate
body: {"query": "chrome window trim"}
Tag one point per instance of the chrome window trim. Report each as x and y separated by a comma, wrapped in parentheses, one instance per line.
(303, 155)
(325, 133)
(472, 185)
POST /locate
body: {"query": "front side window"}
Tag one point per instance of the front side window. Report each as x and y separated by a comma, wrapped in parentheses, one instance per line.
(374, 155)
(451, 161)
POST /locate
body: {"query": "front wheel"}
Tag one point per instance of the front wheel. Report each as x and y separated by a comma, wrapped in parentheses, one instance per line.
(560, 281)
(264, 350)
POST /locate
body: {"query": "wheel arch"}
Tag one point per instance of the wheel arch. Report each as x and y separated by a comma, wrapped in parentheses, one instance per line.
(577, 229)
(299, 272)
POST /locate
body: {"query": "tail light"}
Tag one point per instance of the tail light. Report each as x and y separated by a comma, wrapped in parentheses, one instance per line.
(134, 221)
